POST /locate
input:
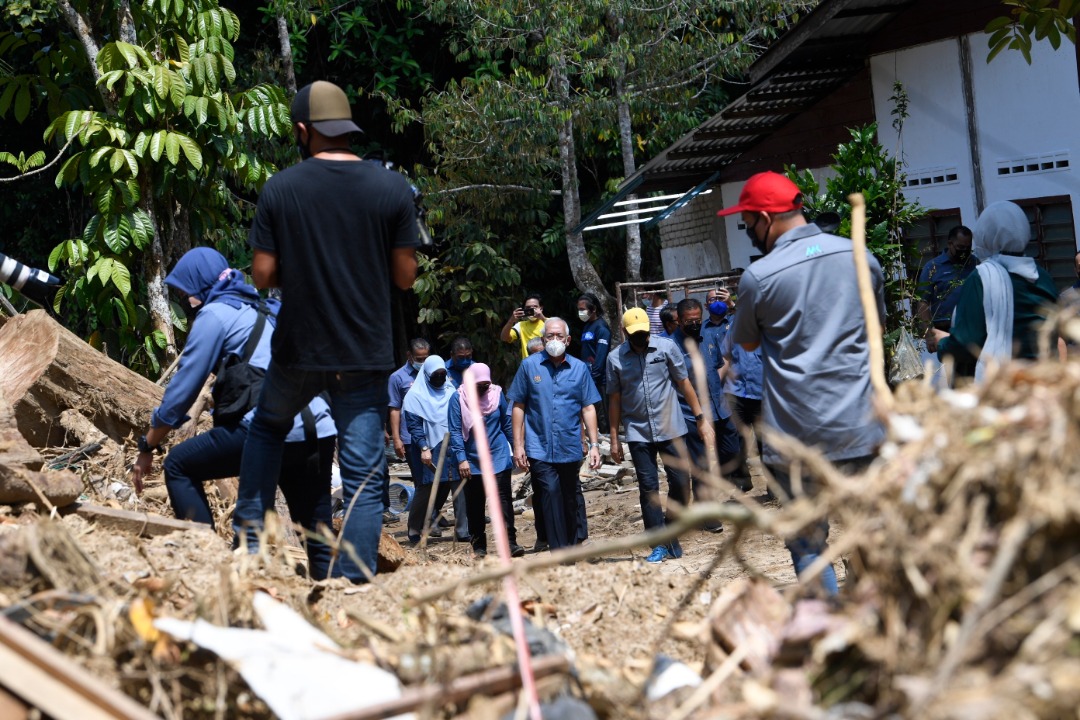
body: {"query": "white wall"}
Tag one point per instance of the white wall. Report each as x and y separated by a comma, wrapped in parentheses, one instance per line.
(1028, 110)
(691, 240)
(935, 135)
(1022, 113)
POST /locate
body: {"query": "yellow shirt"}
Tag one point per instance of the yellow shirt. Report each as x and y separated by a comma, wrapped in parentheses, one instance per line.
(525, 331)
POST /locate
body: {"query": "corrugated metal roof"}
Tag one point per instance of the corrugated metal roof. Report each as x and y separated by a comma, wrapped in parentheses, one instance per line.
(814, 58)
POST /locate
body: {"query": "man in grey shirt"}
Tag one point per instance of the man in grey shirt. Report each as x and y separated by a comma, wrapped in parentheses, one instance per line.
(800, 303)
(644, 378)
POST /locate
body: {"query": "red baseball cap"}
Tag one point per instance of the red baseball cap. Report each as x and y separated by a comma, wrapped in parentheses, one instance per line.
(767, 192)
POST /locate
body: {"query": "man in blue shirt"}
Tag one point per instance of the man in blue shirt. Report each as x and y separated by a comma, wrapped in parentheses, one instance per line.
(689, 313)
(400, 381)
(713, 333)
(460, 358)
(940, 281)
(742, 391)
(646, 375)
(553, 394)
(595, 343)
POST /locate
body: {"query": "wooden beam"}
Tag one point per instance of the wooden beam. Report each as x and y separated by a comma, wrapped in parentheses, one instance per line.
(46, 679)
(142, 524)
(778, 109)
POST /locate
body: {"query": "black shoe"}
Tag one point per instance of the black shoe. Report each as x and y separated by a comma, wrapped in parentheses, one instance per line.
(414, 540)
(516, 550)
(713, 527)
(434, 533)
(444, 523)
(540, 546)
(463, 538)
(479, 552)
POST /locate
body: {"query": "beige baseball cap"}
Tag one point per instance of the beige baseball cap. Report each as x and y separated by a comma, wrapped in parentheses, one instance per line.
(324, 106)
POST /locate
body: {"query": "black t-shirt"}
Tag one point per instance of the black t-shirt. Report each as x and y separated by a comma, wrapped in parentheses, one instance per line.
(332, 225)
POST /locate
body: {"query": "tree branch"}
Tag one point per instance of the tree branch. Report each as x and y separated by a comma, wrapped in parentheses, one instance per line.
(488, 186)
(52, 162)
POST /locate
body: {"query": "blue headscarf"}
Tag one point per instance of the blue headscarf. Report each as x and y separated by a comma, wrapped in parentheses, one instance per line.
(430, 403)
(203, 273)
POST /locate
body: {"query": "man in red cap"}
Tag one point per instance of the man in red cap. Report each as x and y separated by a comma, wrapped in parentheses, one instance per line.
(799, 303)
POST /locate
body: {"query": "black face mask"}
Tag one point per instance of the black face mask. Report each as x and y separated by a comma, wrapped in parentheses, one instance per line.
(639, 341)
(437, 380)
(305, 150)
(758, 243)
(692, 330)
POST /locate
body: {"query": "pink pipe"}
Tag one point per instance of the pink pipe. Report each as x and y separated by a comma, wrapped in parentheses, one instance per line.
(502, 542)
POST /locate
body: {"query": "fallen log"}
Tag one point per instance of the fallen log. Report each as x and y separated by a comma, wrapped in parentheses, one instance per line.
(45, 369)
(20, 480)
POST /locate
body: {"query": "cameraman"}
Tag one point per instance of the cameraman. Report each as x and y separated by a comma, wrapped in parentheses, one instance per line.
(525, 323)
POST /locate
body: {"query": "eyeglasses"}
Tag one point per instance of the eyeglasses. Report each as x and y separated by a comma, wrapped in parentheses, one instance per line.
(554, 336)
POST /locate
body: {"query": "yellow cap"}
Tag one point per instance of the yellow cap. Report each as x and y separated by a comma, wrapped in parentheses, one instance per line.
(635, 320)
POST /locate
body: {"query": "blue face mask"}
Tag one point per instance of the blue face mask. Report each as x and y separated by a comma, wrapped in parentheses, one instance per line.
(461, 363)
(718, 307)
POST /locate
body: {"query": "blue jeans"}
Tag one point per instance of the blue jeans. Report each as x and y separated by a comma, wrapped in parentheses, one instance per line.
(644, 456)
(808, 545)
(304, 481)
(358, 402)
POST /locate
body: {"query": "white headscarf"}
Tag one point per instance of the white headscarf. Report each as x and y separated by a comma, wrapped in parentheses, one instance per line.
(1002, 227)
(430, 403)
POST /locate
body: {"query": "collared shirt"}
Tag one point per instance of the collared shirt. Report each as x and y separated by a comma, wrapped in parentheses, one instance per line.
(400, 382)
(553, 397)
(939, 285)
(712, 364)
(744, 374)
(712, 347)
(796, 303)
(646, 381)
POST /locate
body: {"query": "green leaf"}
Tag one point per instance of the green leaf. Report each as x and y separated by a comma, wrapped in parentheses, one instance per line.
(22, 103)
(121, 310)
(157, 144)
(162, 81)
(97, 155)
(142, 141)
(160, 339)
(56, 255)
(117, 161)
(191, 150)
(172, 148)
(121, 278)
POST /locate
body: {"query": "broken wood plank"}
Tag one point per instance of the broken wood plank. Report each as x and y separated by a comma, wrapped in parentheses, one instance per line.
(487, 682)
(140, 523)
(43, 677)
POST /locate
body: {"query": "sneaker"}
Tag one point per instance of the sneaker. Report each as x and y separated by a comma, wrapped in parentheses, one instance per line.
(516, 550)
(659, 555)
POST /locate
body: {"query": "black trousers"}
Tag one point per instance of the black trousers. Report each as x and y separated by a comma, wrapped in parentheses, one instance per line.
(745, 412)
(557, 488)
(476, 508)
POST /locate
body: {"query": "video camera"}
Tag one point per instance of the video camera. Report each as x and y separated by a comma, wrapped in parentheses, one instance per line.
(418, 199)
(35, 284)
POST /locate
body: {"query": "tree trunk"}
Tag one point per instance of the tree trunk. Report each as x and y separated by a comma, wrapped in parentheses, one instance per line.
(153, 265)
(286, 54)
(45, 369)
(585, 276)
(626, 144)
(20, 480)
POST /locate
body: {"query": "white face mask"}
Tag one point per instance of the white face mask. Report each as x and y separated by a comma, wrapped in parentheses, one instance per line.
(555, 348)
(583, 315)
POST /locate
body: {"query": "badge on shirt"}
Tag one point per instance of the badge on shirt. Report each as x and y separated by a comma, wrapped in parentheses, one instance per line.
(536, 379)
(588, 336)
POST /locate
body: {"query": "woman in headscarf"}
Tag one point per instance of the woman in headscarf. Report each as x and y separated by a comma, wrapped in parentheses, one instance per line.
(1002, 303)
(425, 410)
(224, 312)
(496, 413)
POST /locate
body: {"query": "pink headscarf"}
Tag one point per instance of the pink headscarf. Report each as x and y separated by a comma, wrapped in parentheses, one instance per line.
(489, 401)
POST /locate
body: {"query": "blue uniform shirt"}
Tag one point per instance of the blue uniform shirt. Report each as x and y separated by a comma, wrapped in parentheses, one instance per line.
(939, 284)
(716, 401)
(744, 378)
(499, 431)
(712, 348)
(400, 382)
(553, 397)
(595, 343)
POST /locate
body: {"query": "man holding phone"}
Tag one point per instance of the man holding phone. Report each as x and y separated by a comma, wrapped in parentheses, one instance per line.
(525, 323)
